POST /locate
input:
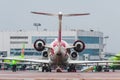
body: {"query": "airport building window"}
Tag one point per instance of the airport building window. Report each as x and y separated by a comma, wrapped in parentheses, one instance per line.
(101, 40)
(3, 53)
(90, 52)
(18, 37)
(49, 39)
(18, 42)
(27, 52)
(89, 40)
(69, 40)
(17, 54)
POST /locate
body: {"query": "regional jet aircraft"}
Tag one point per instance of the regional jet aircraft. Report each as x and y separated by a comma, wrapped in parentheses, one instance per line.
(58, 53)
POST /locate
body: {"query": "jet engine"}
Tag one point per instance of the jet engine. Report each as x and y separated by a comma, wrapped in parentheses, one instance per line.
(45, 54)
(39, 45)
(79, 46)
(74, 55)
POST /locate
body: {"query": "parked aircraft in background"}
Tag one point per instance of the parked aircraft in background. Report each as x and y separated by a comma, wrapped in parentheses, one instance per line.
(59, 53)
(116, 57)
(14, 62)
(106, 67)
(115, 64)
(10, 63)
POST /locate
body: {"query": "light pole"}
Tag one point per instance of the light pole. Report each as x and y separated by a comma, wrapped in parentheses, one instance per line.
(37, 25)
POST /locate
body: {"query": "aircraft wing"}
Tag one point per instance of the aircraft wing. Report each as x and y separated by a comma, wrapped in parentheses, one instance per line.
(91, 62)
(26, 60)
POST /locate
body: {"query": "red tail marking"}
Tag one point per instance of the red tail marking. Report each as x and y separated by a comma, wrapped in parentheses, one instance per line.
(60, 28)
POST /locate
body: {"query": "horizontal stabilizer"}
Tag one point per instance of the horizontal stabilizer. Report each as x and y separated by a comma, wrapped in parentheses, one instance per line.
(50, 14)
(81, 14)
(42, 13)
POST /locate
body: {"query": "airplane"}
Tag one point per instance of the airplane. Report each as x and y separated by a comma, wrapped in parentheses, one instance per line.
(108, 65)
(59, 54)
(116, 57)
(59, 50)
(115, 65)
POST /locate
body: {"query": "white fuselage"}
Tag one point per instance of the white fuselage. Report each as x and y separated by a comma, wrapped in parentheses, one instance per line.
(58, 53)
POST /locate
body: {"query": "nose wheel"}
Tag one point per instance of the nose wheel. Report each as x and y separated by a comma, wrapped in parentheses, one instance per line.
(58, 69)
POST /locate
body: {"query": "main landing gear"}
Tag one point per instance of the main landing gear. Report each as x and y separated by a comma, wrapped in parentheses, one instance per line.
(71, 68)
(46, 68)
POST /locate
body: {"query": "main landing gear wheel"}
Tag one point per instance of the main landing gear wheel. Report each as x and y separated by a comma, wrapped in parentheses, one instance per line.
(98, 68)
(46, 68)
(72, 68)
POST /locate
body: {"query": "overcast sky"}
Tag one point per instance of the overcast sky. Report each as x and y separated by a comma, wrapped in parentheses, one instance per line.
(104, 16)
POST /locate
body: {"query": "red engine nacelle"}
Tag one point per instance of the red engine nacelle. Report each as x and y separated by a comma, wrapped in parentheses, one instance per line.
(39, 45)
(79, 46)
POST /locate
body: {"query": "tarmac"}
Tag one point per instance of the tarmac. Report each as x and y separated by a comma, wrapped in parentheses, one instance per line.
(36, 75)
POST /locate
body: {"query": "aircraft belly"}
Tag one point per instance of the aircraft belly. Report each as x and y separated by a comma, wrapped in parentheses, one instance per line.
(59, 60)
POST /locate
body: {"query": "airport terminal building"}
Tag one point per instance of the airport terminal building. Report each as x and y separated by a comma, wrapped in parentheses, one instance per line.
(11, 43)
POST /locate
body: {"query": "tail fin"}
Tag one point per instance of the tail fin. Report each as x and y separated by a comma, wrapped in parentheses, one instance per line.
(60, 28)
(60, 15)
(22, 51)
(12, 62)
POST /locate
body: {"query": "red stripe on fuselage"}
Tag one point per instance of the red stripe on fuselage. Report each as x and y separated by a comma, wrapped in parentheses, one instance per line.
(56, 43)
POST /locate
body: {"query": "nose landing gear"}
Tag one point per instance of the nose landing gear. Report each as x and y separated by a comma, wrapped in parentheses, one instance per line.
(58, 69)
